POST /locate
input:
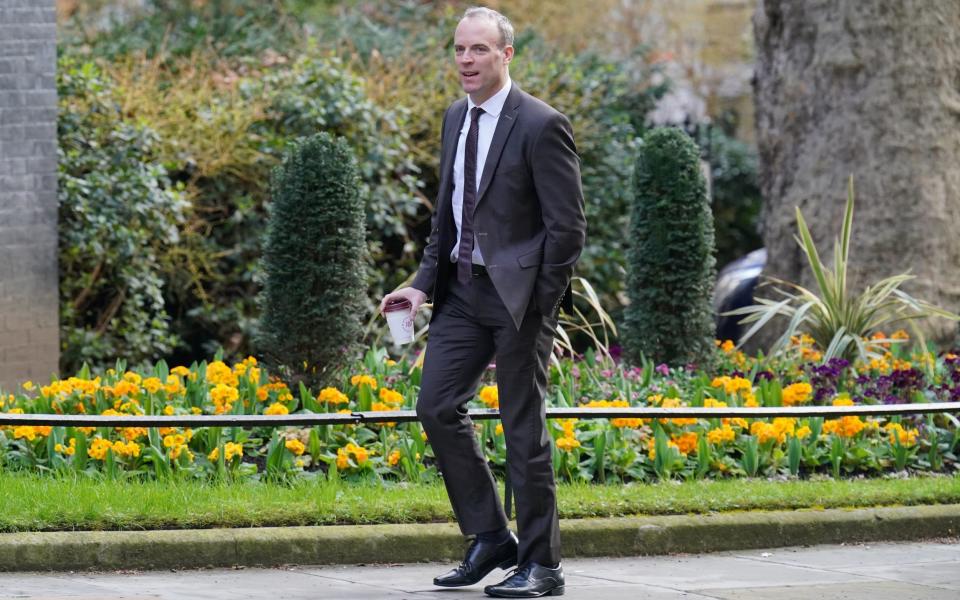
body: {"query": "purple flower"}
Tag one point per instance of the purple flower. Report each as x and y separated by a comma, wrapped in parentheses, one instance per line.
(663, 369)
(616, 351)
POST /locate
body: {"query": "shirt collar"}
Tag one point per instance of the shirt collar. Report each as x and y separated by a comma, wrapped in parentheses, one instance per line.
(494, 104)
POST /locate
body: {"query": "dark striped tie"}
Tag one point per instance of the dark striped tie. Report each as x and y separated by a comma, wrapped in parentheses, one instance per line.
(465, 253)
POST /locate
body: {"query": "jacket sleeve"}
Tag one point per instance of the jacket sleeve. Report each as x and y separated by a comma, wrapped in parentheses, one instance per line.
(426, 276)
(556, 178)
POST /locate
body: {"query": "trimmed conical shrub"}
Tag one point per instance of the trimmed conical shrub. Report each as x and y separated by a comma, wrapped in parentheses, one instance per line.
(313, 262)
(670, 263)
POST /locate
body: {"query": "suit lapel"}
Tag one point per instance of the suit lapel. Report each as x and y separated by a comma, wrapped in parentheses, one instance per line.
(508, 118)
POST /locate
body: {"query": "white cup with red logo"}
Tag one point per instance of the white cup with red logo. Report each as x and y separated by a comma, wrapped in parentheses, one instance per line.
(400, 319)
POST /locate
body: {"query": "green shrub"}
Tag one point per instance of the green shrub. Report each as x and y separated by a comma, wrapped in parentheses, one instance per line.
(670, 268)
(118, 214)
(313, 261)
(173, 28)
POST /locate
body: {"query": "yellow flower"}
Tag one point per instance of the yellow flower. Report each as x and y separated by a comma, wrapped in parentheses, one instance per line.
(276, 409)
(490, 396)
(173, 385)
(176, 451)
(169, 441)
(764, 431)
(652, 447)
(906, 437)
(232, 449)
(727, 346)
(731, 385)
(331, 395)
(343, 459)
(390, 396)
(98, 449)
(567, 444)
(220, 373)
(394, 458)
(359, 380)
(132, 377)
(686, 442)
(132, 433)
(358, 452)
(296, 446)
(168, 410)
(796, 393)
(721, 435)
(152, 384)
(224, 394)
(24, 431)
(498, 430)
(181, 371)
(28, 385)
(843, 399)
(126, 448)
(848, 426)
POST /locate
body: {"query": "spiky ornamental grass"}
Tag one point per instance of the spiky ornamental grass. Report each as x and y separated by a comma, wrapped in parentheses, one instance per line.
(670, 262)
(314, 262)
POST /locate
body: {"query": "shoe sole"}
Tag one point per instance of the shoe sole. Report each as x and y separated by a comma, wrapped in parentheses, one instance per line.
(557, 591)
(512, 562)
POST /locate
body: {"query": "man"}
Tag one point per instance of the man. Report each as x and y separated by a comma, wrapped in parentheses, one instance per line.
(507, 229)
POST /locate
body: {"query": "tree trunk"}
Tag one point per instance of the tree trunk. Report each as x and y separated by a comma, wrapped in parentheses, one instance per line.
(869, 88)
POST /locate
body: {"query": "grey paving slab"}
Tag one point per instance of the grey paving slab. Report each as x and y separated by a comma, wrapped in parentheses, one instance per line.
(27, 585)
(874, 571)
(838, 591)
(944, 575)
(693, 573)
(842, 556)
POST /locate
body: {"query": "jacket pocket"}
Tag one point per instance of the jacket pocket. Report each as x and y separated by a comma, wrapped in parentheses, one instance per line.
(530, 259)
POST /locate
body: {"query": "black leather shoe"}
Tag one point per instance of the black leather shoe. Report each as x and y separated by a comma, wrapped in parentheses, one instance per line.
(529, 581)
(481, 558)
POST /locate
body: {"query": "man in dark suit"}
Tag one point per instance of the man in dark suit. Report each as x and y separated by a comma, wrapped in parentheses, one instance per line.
(507, 229)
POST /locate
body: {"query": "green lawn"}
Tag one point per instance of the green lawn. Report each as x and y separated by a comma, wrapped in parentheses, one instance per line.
(38, 503)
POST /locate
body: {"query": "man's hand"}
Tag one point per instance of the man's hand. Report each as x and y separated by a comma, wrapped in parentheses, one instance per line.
(415, 296)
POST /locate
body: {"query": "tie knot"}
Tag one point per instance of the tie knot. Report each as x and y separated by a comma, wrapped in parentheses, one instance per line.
(475, 112)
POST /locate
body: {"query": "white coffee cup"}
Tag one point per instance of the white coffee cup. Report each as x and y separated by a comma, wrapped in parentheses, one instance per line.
(400, 319)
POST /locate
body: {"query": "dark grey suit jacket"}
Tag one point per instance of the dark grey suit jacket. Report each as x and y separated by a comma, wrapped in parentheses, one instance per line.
(528, 219)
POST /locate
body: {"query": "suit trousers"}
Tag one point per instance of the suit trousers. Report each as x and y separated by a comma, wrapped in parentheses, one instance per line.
(471, 327)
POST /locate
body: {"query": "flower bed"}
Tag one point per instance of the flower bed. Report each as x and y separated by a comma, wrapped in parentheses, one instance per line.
(585, 449)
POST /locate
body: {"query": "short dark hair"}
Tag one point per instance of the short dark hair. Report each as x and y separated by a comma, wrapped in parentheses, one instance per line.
(503, 24)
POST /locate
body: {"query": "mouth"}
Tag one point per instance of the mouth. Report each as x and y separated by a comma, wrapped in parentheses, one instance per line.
(469, 74)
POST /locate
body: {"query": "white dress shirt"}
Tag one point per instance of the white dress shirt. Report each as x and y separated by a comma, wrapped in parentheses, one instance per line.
(487, 124)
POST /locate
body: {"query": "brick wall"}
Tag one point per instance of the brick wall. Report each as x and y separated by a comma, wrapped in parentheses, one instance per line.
(29, 338)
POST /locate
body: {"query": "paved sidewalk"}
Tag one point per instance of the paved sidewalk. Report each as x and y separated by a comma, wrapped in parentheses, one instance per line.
(880, 571)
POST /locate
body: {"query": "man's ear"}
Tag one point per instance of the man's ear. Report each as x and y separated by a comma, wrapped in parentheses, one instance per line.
(507, 54)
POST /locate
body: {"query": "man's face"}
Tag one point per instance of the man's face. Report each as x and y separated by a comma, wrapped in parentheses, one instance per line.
(481, 63)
